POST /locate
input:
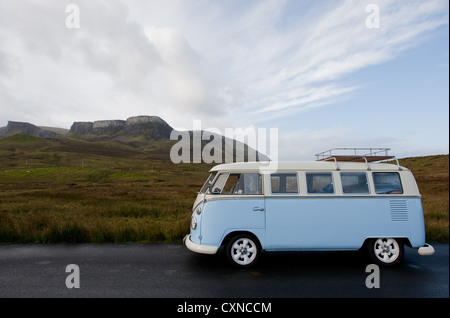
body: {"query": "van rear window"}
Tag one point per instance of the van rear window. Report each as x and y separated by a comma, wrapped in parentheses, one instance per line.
(387, 183)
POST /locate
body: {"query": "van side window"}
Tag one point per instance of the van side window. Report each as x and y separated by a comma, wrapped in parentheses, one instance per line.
(220, 183)
(387, 183)
(239, 183)
(319, 182)
(354, 182)
(208, 181)
(284, 183)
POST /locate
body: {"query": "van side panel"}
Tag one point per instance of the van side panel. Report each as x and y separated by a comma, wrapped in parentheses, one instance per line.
(220, 217)
(337, 222)
(416, 222)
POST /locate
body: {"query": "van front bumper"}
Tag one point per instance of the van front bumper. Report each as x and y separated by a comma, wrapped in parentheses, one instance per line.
(426, 250)
(198, 248)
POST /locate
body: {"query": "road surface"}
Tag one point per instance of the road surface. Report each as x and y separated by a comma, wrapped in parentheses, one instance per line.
(172, 271)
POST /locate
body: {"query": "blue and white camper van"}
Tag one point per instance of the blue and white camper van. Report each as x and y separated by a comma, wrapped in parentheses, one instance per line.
(308, 206)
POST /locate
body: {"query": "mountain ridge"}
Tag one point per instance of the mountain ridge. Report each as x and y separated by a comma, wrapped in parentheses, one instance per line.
(151, 127)
(148, 127)
(15, 127)
(140, 132)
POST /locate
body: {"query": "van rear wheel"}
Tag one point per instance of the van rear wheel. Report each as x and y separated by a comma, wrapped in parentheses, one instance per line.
(387, 252)
(242, 250)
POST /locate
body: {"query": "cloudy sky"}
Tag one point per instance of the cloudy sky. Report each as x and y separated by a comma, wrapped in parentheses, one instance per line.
(325, 73)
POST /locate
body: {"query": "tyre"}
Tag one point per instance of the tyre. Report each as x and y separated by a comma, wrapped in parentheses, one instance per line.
(386, 252)
(243, 250)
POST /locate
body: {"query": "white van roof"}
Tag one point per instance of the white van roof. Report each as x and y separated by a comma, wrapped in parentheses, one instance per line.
(307, 166)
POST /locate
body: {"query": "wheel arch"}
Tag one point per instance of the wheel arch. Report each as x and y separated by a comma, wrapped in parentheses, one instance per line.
(240, 232)
(404, 240)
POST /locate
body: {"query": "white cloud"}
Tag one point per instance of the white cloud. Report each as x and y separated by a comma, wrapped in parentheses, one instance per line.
(336, 45)
(111, 67)
(228, 63)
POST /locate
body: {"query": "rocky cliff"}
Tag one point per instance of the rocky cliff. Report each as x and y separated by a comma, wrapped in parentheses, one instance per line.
(149, 127)
(80, 128)
(144, 127)
(15, 127)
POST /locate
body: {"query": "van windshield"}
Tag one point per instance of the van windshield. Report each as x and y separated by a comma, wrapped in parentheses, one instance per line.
(208, 181)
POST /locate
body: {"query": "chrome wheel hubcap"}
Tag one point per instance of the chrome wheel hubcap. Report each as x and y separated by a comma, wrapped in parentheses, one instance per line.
(386, 250)
(244, 251)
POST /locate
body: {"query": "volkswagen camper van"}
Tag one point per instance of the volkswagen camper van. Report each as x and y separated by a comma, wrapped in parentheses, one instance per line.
(308, 206)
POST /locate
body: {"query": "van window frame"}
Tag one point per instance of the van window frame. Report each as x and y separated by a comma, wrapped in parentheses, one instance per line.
(228, 174)
(211, 179)
(322, 173)
(219, 174)
(355, 193)
(390, 193)
(285, 193)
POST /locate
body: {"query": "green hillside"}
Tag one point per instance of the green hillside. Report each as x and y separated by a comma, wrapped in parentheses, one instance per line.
(70, 190)
(432, 177)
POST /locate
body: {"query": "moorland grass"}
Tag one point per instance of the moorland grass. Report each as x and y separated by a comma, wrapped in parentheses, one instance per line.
(75, 192)
(432, 177)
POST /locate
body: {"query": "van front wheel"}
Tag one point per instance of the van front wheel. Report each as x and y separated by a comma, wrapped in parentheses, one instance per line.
(242, 250)
(386, 252)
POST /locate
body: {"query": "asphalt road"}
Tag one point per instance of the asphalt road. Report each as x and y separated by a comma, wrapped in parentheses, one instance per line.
(172, 271)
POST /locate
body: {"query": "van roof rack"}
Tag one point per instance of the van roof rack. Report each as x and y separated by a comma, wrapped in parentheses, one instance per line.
(355, 154)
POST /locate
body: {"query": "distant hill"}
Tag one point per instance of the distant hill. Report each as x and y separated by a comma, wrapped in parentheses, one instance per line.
(15, 127)
(432, 177)
(147, 127)
(148, 135)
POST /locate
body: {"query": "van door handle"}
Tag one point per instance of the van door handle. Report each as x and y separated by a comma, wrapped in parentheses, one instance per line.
(258, 209)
